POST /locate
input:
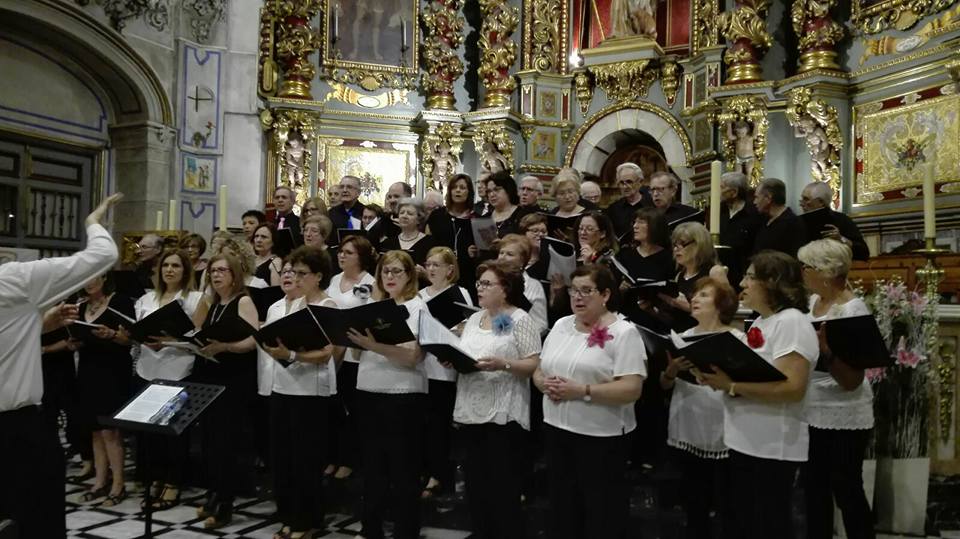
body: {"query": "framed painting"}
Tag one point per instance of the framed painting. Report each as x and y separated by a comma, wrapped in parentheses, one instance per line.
(668, 20)
(544, 146)
(378, 165)
(199, 173)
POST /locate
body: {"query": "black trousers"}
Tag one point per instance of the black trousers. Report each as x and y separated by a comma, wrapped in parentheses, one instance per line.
(441, 398)
(60, 393)
(299, 426)
(343, 443)
(495, 458)
(701, 490)
(165, 456)
(32, 490)
(393, 428)
(587, 484)
(761, 490)
(835, 471)
(222, 435)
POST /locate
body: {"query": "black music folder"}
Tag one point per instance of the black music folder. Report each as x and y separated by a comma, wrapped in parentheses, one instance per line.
(729, 353)
(167, 321)
(556, 223)
(857, 341)
(263, 298)
(82, 330)
(231, 329)
(435, 338)
(816, 222)
(650, 290)
(660, 345)
(55, 336)
(447, 306)
(386, 320)
(695, 217)
(347, 232)
(300, 331)
(128, 283)
(287, 240)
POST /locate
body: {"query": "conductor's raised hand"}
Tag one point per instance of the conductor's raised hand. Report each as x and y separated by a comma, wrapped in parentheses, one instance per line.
(98, 214)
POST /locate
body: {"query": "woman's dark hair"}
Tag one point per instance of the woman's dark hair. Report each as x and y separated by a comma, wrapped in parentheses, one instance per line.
(657, 229)
(256, 214)
(317, 260)
(375, 208)
(109, 284)
(186, 280)
(505, 180)
(603, 279)
(782, 279)
(272, 229)
(471, 190)
(510, 277)
(193, 237)
(365, 251)
(530, 220)
(725, 299)
(609, 240)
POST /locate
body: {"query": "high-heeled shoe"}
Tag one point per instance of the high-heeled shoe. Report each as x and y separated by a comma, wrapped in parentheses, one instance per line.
(166, 500)
(95, 494)
(209, 507)
(114, 500)
(222, 517)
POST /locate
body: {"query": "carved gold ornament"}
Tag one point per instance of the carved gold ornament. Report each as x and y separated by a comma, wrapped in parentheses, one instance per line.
(817, 32)
(268, 72)
(874, 16)
(498, 51)
(292, 132)
(440, 149)
(705, 24)
(750, 113)
(584, 87)
(946, 382)
(296, 42)
(816, 122)
(494, 145)
(625, 81)
(885, 45)
(670, 81)
(346, 94)
(546, 19)
(443, 34)
(746, 29)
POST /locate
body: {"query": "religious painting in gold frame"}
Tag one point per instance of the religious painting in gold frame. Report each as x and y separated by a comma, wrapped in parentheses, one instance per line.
(377, 167)
(900, 140)
(543, 147)
(363, 42)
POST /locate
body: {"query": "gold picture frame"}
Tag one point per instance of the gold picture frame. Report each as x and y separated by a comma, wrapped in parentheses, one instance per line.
(361, 38)
(377, 167)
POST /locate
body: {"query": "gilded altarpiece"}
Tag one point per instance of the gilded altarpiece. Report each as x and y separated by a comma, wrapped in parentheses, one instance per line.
(900, 140)
(378, 164)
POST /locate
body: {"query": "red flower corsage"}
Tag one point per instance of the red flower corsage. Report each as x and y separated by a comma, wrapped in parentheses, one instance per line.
(755, 338)
(599, 337)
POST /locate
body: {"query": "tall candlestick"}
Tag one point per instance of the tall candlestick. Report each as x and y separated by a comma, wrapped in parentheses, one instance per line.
(929, 203)
(715, 168)
(336, 24)
(159, 220)
(403, 35)
(222, 209)
(172, 224)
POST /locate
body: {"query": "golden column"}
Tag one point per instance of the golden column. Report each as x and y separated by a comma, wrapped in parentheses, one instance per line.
(296, 41)
(498, 51)
(443, 35)
(817, 32)
(746, 29)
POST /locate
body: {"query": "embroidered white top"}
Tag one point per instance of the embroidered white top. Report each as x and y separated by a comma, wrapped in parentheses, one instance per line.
(436, 371)
(774, 431)
(496, 396)
(378, 374)
(265, 362)
(350, 299)
(567, 354)
(168, 363)
(533, 291)
(829, 406)
(306, 379)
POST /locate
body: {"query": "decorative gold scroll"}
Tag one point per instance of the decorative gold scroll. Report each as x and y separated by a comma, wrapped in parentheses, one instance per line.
(625, 81)
(498, 51)
(443, 35)
(292, 132)
(746, 30)
(817, 32)
(874, 16)
(494, 145)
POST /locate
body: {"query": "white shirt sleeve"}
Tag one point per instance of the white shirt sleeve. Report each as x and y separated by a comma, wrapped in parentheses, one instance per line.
(52, 279)
(794, 333)
(629, 353)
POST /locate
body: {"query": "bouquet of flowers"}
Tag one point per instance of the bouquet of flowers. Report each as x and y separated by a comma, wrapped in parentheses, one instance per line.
(907, 321)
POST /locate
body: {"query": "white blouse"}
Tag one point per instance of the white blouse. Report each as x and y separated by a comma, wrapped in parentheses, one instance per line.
(377, 374)
(533, 291)
(436, 371)
(829, 406)
(496, 396)
(302, 378)
(696, 415)
(266, 365)
(350, 299)
(776, 431)
(566, 354)
(168, 363)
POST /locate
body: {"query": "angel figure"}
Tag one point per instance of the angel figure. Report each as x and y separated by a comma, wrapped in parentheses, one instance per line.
(634, 18)
(444, 164)
(294, 161)
(740, 133)
(492, 160)
(816, 139)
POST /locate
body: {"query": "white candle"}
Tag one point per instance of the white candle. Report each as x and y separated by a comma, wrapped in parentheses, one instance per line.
(929, 204)
(172, 223)
(159, 220)
(715, 168)
(403, 35)
(336, 24)
(222, 209)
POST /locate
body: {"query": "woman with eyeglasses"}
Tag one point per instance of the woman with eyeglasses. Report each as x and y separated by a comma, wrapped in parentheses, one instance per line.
(764, 424)
(314, 206)
(267, 263)
(591, 372)
(502, 195)
(595, 244)
(316, 230)
(282, 307)
(352, 287)
(534, 227)
(515, 249)
(839, 402)
(493, 405)
(442, 272)
(392, 386)
(234, 366)
(301, 395)
(695, 428)
(195, 246)
(410, 215)
(566, 191)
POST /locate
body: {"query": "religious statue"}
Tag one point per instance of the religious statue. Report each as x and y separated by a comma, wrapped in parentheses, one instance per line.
(491, 159)
(817, 123)
(740, 133)
(634, 18)
(294, 162)
(444, 165)
(820, 152)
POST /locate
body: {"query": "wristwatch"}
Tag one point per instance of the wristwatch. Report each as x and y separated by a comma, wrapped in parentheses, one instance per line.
(586, 394)
(732, 390)
(506, 364)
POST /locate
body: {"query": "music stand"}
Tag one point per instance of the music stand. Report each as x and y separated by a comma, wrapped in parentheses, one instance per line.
(199, 398)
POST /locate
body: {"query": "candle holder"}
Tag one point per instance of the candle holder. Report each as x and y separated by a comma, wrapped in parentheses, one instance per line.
(930, 275)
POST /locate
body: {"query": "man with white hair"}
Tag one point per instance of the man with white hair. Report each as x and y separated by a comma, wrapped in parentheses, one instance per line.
(632, 198)
(432, 199)
(665, 191)
(349, 211)
(531, 189)
(819, 195)
(591, 192)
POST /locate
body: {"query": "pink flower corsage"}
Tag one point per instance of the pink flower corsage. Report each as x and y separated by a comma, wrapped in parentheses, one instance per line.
(755, 338)
(599, 337)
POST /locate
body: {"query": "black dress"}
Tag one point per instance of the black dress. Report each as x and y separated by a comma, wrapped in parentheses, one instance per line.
(457, 234)
(263, 270)
(105, 369)
(659, 266)
(418, 251)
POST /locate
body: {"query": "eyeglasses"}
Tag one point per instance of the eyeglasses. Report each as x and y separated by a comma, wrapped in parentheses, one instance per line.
(301, 274)
(581, 292)
(393, 272)
(220, 270)
(659, 189)
(537, 231)
(588, 229)
(625, 182)
(683, 245)
(483, 285)
(287, 271)
(807, 267)
(434, 265)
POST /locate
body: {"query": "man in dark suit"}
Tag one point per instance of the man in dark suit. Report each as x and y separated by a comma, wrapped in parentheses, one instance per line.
(632, 198)
(665, 191)
(348, 212)
(780, 228)
(817, 195)
(531, 189)
(283, 198)
(738, 224)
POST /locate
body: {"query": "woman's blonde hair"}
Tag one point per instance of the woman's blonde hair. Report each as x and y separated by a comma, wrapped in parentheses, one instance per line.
(521, 242)
(830, 257)
(706, 255)
(319, 203)
(323, 223)
(244, 253)
(410, 269)
(236, 271)
(560, 182)
(446, 254)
